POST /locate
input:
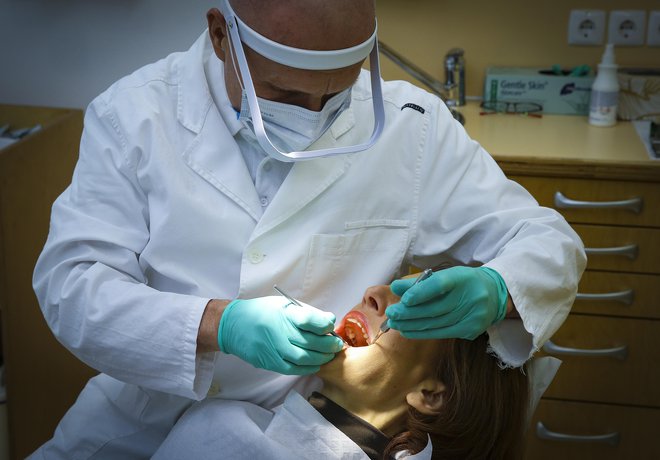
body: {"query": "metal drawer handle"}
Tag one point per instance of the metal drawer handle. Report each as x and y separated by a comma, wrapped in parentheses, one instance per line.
(630, 251)
(543, 433)
(633, 204)
(625, 297)
(618, 352)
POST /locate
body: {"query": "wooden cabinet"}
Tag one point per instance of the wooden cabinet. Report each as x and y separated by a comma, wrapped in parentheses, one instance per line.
(632, 295)
(43, 379)
(617, 362)
(607, 432)
(628, 202)
(604, 402)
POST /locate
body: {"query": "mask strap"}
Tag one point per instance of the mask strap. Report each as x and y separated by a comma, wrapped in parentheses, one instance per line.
(233, 61)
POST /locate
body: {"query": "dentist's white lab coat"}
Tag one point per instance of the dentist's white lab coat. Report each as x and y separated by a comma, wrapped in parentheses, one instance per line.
(162, 216)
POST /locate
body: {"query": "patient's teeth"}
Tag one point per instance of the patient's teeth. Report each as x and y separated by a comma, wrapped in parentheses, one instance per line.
(356, 332)
(354, 321)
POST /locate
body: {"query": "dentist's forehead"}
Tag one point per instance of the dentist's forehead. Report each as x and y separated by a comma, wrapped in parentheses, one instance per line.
(310, 24)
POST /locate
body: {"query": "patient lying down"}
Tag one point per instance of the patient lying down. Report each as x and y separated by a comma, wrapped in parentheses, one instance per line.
(377, 400)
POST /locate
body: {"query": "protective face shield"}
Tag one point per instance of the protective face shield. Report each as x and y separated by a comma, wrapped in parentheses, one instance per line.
(240, 33)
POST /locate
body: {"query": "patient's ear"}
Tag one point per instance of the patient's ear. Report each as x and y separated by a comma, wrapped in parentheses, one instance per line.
(427, 397)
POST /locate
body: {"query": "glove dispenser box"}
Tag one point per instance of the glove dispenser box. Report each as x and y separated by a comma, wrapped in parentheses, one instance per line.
(558, 94)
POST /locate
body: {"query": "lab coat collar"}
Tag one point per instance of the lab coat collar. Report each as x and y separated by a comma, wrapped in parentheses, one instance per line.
(216, 157)
(215, 77)
(213, 153)
(194, 98)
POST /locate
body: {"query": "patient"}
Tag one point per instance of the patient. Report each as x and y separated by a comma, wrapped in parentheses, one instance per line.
(451, 389)
(377, 399)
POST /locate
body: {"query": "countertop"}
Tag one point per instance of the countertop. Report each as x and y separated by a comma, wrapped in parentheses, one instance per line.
(547, 145)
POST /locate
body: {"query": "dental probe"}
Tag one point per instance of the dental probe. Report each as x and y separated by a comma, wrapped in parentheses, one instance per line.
(295, 302)
(384, 327)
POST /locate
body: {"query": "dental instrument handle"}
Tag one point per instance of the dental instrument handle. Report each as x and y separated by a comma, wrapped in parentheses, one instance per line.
(334, 334)
(288, 297)
(295, 302)
(383, 326)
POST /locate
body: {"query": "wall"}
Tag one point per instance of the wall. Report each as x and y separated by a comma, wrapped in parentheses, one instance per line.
(64, 52)
(496, 32)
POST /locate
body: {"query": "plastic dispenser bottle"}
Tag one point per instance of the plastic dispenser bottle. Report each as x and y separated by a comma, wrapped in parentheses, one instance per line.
(605, 91)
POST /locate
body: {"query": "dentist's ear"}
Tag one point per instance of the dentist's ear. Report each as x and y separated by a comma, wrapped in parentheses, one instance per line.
(427, 397)
(217, 32)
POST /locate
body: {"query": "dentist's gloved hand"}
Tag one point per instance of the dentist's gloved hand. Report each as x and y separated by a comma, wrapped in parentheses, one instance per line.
(458, 302)
(271, 333)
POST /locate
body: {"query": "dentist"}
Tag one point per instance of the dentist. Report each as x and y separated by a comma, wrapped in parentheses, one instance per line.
(263, 155)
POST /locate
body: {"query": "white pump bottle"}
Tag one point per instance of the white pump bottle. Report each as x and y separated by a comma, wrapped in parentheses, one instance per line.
(605, 91)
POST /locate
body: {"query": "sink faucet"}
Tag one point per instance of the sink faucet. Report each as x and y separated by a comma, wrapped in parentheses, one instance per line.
(455, 77)
(452, 92)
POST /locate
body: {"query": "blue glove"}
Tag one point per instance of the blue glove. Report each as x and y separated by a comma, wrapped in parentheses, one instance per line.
(271, 333)
(459, 302)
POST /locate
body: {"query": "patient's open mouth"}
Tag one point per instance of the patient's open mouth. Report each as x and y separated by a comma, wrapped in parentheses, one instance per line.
(354, 328)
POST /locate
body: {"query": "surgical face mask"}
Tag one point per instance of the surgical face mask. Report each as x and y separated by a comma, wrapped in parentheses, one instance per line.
(240, 34)
(292, 128)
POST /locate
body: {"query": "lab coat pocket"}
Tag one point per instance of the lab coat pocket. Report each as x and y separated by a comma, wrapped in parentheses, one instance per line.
(341, 266)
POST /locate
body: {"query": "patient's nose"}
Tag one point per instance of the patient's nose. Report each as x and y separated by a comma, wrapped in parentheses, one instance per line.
(377, 298)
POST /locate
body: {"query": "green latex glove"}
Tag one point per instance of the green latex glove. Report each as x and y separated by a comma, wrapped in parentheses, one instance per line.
(459, 302)
(271, 333)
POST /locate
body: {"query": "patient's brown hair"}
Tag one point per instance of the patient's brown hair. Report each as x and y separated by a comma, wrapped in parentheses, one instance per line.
(484, 409)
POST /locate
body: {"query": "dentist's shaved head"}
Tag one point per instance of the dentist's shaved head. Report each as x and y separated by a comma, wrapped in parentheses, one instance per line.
(320, 25)
(310, 24)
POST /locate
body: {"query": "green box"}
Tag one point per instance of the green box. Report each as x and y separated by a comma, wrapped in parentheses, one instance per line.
(558, 94)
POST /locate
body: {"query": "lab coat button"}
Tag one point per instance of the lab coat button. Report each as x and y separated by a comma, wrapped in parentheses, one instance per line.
(256, 257)
(264, 201)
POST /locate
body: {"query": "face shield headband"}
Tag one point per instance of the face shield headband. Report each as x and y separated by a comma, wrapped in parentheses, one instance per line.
(240, 33)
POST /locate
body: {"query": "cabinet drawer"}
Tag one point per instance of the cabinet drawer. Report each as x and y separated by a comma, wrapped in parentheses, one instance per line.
(629, 376)
(598, 193)
(636, 431)
(618, 294)
(638, 246)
